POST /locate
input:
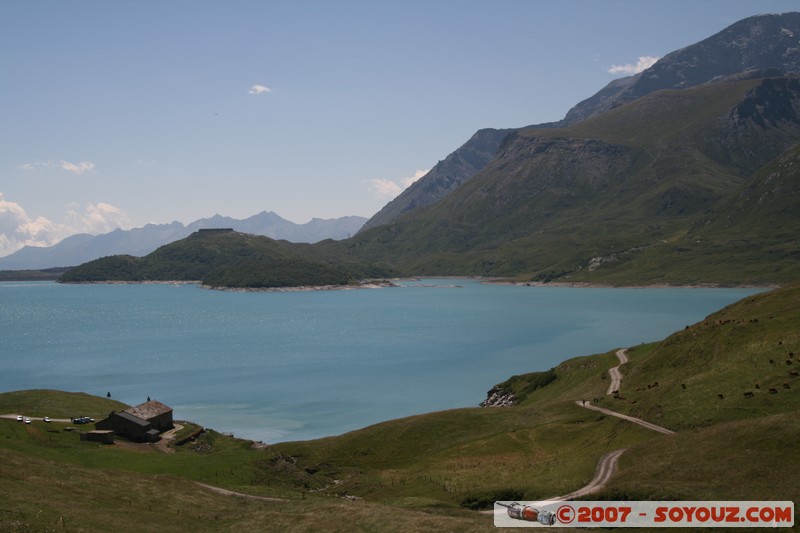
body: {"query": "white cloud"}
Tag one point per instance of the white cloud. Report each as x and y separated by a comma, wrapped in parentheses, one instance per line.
(78, 168)
(18, 229)
(97, 218)
(74, 168)
(386, 190)
(643, 63)
(259, 89)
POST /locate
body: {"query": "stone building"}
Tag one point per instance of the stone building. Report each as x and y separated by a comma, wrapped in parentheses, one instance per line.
(143, 423)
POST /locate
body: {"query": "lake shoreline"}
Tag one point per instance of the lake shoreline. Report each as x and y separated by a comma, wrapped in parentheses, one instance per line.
(592, 285)
(389, 283)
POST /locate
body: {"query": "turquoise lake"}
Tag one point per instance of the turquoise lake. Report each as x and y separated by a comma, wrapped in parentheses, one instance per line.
(278, 366)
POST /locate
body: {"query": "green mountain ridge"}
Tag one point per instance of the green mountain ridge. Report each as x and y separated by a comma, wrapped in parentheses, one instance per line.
(225, 258)
(623, 191)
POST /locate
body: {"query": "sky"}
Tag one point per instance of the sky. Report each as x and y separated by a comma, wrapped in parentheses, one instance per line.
(124, 113)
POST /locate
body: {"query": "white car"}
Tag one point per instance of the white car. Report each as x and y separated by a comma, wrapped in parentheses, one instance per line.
(19, 418)
(46, 419)
(27, 420)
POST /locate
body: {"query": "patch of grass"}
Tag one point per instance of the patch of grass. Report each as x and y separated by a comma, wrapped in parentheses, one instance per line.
(742, 348)
(42, 495)
(749, 459)
(57, 404)
(456, 456)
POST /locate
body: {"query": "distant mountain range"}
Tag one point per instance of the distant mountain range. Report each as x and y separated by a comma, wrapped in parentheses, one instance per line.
(80, 248)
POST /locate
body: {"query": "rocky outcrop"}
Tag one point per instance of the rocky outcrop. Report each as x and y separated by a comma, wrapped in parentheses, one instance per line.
(763, 43)
(499, 397)
(443, 178)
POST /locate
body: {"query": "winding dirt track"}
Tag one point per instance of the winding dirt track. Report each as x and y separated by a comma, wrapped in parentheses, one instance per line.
(226, 492)
(639, 421)
(616, 377)
(608, 463)
(616, 382)
(606, 467)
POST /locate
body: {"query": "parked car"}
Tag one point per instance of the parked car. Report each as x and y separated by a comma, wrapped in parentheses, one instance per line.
(19, 418)
(27, 420)
(46, 419)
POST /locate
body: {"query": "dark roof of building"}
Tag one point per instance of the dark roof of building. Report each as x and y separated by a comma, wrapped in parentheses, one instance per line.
(132, 418)
(148, 410)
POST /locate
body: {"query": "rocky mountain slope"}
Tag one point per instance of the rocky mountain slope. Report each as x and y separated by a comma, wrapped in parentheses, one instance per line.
(753, 47)
(444, 177)
(764, 44)
(627, 191)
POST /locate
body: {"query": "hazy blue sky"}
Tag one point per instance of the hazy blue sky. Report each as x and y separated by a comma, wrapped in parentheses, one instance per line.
(120, 113)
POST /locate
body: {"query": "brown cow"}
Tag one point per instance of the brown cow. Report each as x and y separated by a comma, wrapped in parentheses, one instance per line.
(773, 390)
(748, 394)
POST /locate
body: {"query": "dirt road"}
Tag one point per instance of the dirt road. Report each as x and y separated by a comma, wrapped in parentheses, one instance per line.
(643, 423)
(614, 374)
(13, 416)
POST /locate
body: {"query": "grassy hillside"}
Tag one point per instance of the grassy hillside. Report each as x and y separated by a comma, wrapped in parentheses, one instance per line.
(426, 472)
(227, 259)
(43, 495)
(637, 195)
(750, 346)
(57, 404)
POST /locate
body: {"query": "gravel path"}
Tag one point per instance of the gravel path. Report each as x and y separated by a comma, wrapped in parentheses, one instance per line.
(616, 377)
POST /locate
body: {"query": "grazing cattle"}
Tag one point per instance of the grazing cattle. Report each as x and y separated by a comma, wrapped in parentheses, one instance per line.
(721, 396)
(786, 385)
(748, 394)
(773, 390)
(794, 373)
(758, 385)
(683, 385)
(772, 361)
(788, 361)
